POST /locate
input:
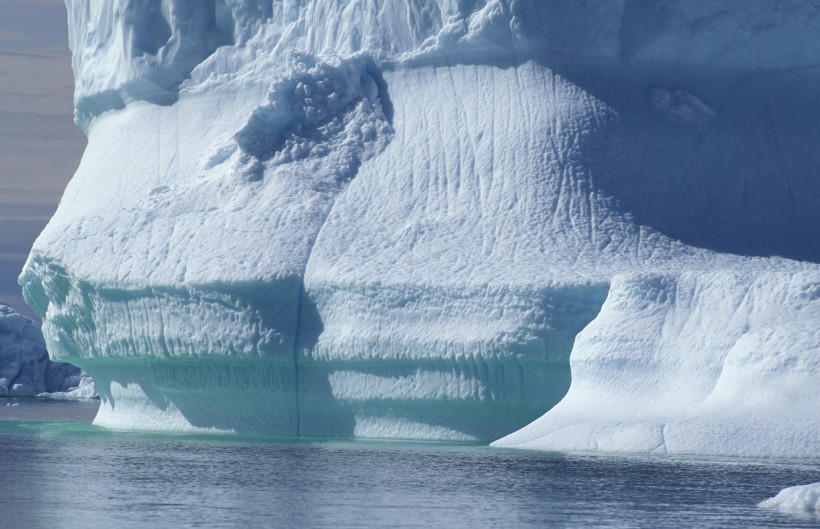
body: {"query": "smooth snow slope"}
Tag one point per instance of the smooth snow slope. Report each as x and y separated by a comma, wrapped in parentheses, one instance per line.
(391, 219)
(721, 362)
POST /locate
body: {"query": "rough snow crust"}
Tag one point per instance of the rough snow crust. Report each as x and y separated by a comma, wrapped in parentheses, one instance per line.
(392, 219)
(800, 499)
(25, 369)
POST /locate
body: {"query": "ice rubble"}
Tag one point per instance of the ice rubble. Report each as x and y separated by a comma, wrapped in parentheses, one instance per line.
(800, 499)
(350, 219)
(25, 369)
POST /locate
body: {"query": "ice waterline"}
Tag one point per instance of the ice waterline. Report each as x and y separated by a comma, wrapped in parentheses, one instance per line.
(425, 220)
(247, 481)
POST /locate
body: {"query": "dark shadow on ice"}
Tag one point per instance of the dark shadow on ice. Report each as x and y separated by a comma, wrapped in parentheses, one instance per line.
(743, 182)
(282, 389)
(720, 154)
(184, 367)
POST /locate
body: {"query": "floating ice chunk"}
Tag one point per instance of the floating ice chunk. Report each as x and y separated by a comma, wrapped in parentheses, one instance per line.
(797, 499)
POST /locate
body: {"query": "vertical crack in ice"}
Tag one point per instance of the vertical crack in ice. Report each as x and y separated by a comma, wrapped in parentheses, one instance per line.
(323, 119)
(663, 439)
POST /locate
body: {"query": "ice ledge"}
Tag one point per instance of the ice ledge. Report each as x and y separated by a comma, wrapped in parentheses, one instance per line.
(271, 358)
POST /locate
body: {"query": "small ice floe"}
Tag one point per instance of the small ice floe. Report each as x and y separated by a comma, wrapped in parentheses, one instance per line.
(12, 404)
(798, 499)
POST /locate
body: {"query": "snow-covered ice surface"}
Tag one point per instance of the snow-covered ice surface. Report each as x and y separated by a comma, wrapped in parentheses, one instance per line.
(800, 499)
(392, 219)
(25, 369)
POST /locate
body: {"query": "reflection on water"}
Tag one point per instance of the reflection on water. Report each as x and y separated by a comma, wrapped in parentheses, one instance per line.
(74, 475)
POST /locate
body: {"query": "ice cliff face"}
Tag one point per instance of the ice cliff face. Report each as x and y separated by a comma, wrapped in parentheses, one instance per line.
(25, 369)
(392, 219)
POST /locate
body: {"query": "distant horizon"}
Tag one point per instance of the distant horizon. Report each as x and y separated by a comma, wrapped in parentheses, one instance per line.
(40, 147)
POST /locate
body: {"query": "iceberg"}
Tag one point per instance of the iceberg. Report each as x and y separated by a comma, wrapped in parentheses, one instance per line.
(25, 369)
(392, 220)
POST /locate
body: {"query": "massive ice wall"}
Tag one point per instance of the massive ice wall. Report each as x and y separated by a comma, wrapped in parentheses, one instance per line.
(391, 219)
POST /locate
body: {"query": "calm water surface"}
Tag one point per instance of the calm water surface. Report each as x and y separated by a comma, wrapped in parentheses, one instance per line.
(59, 471)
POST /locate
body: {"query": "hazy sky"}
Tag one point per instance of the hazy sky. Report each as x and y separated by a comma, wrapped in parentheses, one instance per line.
(40, 147)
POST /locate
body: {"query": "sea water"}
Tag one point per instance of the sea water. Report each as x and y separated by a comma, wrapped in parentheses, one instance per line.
(61, 472)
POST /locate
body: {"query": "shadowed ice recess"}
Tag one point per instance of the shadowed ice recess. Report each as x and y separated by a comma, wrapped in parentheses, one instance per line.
(440, 219)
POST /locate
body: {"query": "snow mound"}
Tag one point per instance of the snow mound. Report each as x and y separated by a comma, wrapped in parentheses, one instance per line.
(797, 499)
